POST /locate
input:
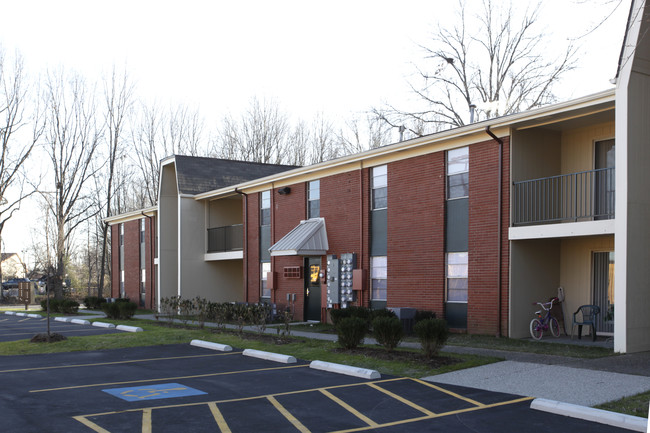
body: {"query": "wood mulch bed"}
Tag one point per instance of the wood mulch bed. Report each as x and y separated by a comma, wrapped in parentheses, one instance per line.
(42, 338)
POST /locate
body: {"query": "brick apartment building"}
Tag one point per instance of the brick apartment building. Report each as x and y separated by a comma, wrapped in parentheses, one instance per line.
(474, 223)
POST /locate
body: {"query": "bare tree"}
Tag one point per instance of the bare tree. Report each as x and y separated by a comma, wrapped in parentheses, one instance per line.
(259, 136)
(364, 132)
(488, 65)
(72, 137)
(118, 95)
(20, 130)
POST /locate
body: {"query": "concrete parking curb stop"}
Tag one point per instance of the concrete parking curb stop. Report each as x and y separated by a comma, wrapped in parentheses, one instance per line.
(34, 316)
(129, 328)
(629, 422)
(80, 322)
(10, 313)
(103, 325)
(345, 369)
(269, 356)
(62, 319)
(211, 346)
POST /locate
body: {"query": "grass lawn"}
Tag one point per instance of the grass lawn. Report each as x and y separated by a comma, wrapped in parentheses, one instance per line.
(303, 348)
(494, 343)
(636, 405)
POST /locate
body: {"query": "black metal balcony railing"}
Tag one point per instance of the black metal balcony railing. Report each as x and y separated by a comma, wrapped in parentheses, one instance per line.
(229, 238)
(584, 196)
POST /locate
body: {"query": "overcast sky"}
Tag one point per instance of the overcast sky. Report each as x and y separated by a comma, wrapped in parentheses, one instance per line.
(335, 57)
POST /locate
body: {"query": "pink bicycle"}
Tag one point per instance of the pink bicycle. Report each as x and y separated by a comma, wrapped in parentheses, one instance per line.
(544, 321)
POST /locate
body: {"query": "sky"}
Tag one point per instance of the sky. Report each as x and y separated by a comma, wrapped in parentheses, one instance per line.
(335, 57)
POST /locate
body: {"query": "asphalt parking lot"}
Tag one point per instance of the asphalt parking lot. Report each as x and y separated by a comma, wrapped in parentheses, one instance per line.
(13, 328)
(185, 388)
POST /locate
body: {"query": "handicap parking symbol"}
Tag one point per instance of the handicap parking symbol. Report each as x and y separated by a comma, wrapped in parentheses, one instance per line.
(153, 392)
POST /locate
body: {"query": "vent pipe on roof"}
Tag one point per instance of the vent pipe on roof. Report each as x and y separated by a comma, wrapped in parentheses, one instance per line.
(472, 111)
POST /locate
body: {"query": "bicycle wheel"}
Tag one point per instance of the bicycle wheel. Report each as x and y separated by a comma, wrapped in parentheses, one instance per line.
(536, 329)
(555, 327)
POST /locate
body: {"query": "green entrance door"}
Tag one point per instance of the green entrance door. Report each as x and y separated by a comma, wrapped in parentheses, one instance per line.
(312, 288)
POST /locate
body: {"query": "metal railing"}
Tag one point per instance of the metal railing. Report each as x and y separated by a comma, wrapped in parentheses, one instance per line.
(228, 238)
(585, 196)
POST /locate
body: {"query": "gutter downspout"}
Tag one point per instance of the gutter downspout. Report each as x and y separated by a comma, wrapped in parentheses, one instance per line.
(245, 241)
(151, 250)
(499, 229)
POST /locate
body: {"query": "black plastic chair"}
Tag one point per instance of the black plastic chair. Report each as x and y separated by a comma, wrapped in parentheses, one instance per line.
(588, 315)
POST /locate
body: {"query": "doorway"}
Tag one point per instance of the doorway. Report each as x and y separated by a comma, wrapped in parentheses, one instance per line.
(603, 290)
(312, 288)
(604, 186)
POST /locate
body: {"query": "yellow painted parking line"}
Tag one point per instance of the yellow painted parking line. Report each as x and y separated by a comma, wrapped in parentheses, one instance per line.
(167, 379)
(349, 408)
(24, 320)
(438, 415)
(95, 364)
(146, 421)
(402, 399)
(218, 417)
(3, 320)
(254, 397)
(292, 419)
(446, 391)
(90, 424)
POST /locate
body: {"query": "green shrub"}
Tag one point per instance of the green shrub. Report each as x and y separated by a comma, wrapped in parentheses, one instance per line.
(423, 315)
(387, 331)
(339, 314)
(201, 307)
(69, 306)
(55, 305)
(186, 307)
(112, 310)
(94, 302)
(119, 310)
(241, 316)
(259, 316)
(382, 312)
(433, 334)
(127, 309)
(169, 307)
(118, 300)
(351, 331)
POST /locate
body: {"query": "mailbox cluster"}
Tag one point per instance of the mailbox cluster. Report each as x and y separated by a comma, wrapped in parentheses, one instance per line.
(339, 279)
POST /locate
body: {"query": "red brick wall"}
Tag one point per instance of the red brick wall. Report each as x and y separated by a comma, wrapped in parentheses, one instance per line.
(483, 298)
(115, 261)
(416, 254)
(132, 261)
(287, 212)
(416, 233)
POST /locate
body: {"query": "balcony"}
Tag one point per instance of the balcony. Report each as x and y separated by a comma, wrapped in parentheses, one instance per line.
(226, 239)
(575, 197)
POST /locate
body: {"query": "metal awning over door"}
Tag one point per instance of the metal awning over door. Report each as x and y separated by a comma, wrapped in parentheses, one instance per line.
(309, 238)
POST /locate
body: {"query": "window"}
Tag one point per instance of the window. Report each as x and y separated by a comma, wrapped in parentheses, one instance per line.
(457, 277)
(313, 199)
(265, 209)
(142, 231)
(379, 278)
(265, 291)
(379, 187)
(458, 173)
(121, 234)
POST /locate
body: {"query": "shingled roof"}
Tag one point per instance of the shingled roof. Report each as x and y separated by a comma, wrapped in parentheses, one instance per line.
(196, 175)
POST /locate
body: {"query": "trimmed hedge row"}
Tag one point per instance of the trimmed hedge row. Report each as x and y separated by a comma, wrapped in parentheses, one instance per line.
(122, 310)
(65, 306)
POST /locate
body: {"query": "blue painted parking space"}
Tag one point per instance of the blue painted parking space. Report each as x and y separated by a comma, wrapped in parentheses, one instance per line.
(153, 392)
